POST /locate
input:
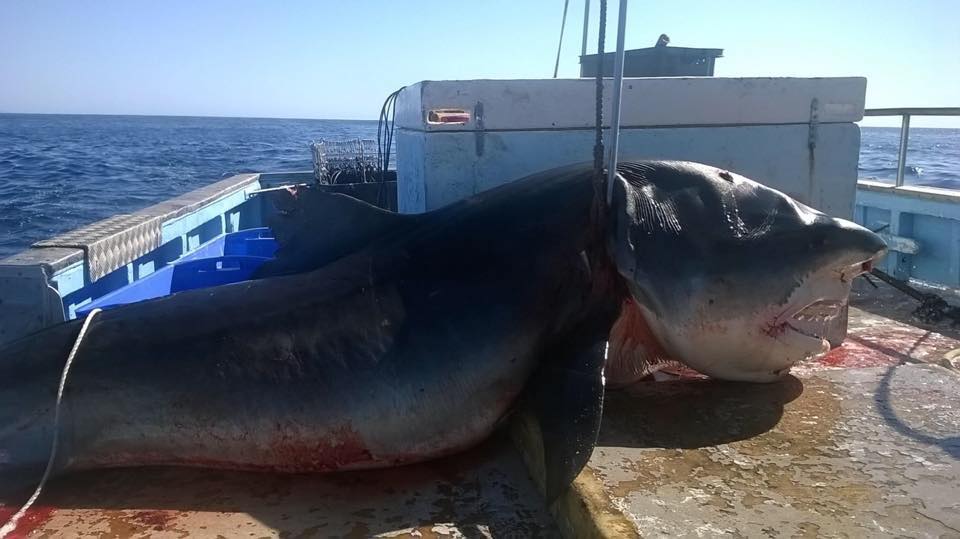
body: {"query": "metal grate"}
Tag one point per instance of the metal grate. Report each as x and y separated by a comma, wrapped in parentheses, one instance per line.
(333, 159)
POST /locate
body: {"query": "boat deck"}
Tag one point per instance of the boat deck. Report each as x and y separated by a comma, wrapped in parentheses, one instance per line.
(864, 442)
(482, 493)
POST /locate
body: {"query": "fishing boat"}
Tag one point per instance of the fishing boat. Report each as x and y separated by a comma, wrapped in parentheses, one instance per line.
(863, 441)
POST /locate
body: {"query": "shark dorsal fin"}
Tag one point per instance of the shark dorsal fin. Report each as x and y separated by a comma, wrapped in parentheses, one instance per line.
(314, 228)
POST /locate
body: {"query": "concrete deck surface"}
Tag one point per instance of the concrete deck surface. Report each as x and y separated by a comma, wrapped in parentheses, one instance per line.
(851, 452)
(864, 443)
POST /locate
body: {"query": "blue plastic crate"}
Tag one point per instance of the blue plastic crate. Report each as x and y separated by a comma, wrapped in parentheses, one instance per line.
(228, 258)
(251, 242)
(207, 272)
(155, 285)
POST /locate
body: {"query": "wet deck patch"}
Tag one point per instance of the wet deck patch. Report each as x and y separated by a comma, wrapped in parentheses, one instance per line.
(848, 455)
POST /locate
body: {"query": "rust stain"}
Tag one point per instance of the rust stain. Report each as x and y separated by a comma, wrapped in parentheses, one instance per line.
(128, 523)
(33, 519)
(156, 520)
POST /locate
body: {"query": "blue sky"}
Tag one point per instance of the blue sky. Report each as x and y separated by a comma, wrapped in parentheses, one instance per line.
(339, 59)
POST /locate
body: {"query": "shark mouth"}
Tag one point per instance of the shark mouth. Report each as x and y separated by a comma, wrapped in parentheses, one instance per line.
(814, 320)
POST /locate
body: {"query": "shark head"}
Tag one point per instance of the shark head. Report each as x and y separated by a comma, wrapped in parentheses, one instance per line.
(735, 279)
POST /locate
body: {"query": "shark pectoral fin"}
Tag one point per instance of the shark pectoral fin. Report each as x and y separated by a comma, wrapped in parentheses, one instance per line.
(634, 351)
(557, 422)
(314, 228)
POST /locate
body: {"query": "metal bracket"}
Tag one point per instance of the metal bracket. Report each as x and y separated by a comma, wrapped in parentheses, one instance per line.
(901, 244)
(814, 123)
(28, 302)
(811, 152)
(480, 132)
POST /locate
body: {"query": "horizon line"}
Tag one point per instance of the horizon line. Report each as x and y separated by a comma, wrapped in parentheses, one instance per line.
(185, 116)
(210, 116)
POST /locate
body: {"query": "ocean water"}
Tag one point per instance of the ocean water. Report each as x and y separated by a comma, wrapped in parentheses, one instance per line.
(933, 156)
(61, 172)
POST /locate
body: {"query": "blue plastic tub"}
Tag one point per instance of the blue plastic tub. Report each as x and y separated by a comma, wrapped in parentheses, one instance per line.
(207, 272)
(228, 258)
(252, 242)
(155, 285)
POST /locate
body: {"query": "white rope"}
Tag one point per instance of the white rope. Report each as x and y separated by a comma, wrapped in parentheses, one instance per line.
(11, 524)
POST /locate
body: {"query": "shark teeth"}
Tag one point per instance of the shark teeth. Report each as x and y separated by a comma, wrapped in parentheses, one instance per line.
(819, 310)
(814, 319)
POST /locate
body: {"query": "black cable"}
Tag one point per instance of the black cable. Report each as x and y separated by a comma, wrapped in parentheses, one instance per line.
(393, 118)
(380, 134)
(385, 126)
(598, 207)
(932, 309)
(598, 144)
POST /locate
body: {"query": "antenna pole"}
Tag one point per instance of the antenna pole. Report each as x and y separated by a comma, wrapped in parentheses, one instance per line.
(586, 27)
(617, 88)
(563, 24)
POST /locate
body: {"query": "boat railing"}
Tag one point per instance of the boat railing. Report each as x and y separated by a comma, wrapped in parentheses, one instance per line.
(46, 283)
(921, 224)
(905, 113)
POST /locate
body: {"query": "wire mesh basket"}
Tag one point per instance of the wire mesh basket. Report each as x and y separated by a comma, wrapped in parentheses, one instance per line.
(355, 159)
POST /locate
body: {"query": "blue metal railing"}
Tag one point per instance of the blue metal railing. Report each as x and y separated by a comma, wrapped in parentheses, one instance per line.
(905, 114)
(920, 224)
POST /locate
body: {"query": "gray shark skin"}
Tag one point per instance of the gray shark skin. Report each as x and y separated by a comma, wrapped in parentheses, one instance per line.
(404, 338)
(730, 277)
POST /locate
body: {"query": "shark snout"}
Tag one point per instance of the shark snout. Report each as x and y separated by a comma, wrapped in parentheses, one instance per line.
(852, 243)
(861, 239)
